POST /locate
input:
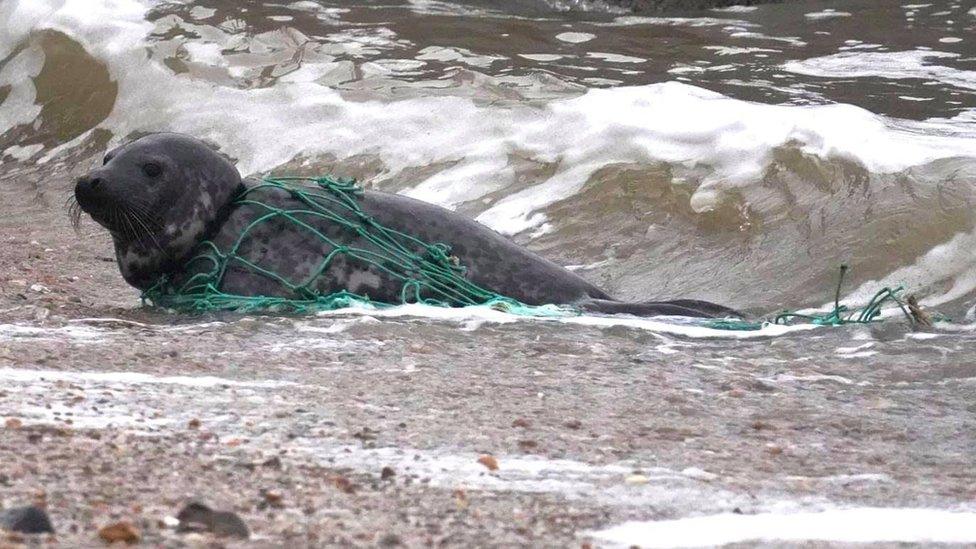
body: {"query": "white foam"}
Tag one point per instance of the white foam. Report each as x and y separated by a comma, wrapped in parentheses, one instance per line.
(859, 525)
(859, 46)
(114, 24)
(689, 330)
(362, 42)
(307, 344)
(541, 56)
(19, 375)
(854, 478)
(438, 7)
(792, 40)
(910, 64)
(575, 37)
(615, 57)
(205, 53)
(733, 50)
(20, 107)
(923, 335)
(736, 9)
(604, 484)
(849, 350)
(200, 12)
(826, 14)
(23, 153)
(458, 55)
(697, 69)
(629, 20)
(109, 320)
(671, 325)
(590, 266)
(790, 378)
(82, 334)
(862, 354)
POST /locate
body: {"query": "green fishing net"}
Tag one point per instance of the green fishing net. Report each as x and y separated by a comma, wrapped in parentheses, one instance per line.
(428, 273)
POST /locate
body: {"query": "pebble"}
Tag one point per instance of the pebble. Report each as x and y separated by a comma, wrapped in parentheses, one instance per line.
(119, 531)
(489, 462)
(197, 517)
(273, 499)
(699, 474)
(527, 445)
(637, 479)
(26, 520)
(171, 522)
(39, 288)
(343, 484)
(774, 449)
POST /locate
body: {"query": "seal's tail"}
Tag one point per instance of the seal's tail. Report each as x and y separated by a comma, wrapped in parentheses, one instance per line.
(678, 307)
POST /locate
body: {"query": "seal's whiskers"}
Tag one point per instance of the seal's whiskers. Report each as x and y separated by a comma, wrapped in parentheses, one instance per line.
(144, 223)
(74, 211)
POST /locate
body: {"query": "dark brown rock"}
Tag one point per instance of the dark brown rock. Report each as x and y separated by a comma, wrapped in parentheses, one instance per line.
(197, 517)
(26, 520)
(119, 531)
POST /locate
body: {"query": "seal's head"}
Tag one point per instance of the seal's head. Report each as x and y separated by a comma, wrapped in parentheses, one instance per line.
(158, 196)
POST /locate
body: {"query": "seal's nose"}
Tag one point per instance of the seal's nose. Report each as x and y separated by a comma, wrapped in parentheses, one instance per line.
(88, 189)
(87, 183)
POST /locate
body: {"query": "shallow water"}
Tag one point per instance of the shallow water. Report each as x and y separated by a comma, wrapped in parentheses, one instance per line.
(737, 155)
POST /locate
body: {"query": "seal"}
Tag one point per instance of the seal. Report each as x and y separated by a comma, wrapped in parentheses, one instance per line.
(162, 195)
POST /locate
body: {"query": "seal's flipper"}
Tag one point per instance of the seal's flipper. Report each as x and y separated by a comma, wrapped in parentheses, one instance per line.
(680, 307)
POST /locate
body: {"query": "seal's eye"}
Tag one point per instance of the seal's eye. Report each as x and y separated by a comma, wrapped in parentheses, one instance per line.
(152, 169)
(107, 159)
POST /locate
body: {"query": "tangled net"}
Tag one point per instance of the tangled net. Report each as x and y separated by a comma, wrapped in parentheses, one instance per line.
(428, 273)
(838, 316)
